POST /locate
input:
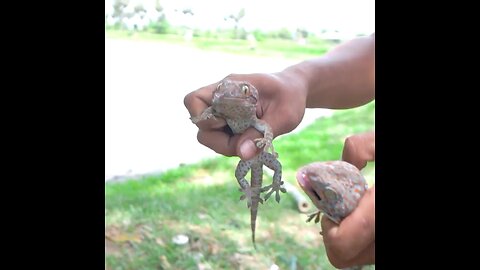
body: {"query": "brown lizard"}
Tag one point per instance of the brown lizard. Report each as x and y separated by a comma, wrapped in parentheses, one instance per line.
(335, 187)
(236, 101)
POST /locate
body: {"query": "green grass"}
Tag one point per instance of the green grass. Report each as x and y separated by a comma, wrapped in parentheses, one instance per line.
(201, 201)
(265, 48)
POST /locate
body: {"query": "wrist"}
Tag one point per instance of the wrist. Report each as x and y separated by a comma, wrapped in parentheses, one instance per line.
(310, 77)
(295, 81)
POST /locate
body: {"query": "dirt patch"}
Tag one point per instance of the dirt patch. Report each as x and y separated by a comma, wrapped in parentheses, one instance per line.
(117, 240)
(204, 177)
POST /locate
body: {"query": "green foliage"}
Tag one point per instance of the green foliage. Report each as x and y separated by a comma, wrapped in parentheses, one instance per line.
(118, 7)
(283, 33)
(259, 35)
(161, 26)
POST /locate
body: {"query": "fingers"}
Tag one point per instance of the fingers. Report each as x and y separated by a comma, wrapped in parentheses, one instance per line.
(241, 145)
(219, 141)
(359, 148)
(366, 256)
(211, 133)
(197, 101)
(245, 146)
(269, 109)
(269, 115)
(212, 124)
(355, 233)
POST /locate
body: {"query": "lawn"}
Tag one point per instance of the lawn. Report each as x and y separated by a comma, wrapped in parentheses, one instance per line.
(265, 48)
(201, 201)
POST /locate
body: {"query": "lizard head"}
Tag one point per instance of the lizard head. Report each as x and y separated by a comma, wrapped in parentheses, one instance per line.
(235, 93)
(334, 187)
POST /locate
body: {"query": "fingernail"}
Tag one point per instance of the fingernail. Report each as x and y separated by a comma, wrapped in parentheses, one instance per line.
(247, 149)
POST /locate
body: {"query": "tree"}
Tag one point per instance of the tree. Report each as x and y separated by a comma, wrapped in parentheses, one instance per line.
(236, 19)
(158, 7)
(118, 7)
(139, 9)
(161, 25)
(188, 11)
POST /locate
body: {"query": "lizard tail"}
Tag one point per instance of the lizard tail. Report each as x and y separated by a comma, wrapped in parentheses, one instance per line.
(253, 218)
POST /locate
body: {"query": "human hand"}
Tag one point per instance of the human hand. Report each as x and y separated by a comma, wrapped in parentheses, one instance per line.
(358, 149)
(352, 242)
(281, 105)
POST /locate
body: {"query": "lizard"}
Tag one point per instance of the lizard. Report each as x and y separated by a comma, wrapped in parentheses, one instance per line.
(334, 187)
(236, 102)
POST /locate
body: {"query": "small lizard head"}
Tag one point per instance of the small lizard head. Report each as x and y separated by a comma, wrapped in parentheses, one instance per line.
(236, 101)
(334, 187)
(235, 93)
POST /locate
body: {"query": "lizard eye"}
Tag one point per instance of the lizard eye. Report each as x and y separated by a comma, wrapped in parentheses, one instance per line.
(330, 194)
(218, 85)
(245, 89)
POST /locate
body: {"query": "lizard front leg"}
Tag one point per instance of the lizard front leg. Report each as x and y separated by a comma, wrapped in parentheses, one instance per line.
(315, 215)
(266, 141)
(206, 114)
(272, 162)
(240, 173)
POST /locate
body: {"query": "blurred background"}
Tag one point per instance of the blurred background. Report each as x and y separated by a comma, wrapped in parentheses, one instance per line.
(160, 182)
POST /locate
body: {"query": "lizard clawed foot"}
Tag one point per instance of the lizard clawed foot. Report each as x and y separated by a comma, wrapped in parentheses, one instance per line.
(266, 145)
(249, 193)
(275, 187)
(315, 215)
(196, 119)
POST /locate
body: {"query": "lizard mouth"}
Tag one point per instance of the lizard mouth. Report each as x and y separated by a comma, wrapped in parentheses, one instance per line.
(250, 99)
(305, 184)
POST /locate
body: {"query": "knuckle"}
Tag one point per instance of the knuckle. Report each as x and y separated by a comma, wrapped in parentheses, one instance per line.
(201, 138)
(187, 100)
(336, 262)
(349, 141)
(339, 248)
(338, 258)
(204, 139)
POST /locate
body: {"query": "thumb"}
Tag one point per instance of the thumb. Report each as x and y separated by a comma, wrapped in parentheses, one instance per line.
(246, 147)
(359, 149)
(328, 225)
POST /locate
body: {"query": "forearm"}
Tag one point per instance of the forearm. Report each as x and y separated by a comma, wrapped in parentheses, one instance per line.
(343, 78)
